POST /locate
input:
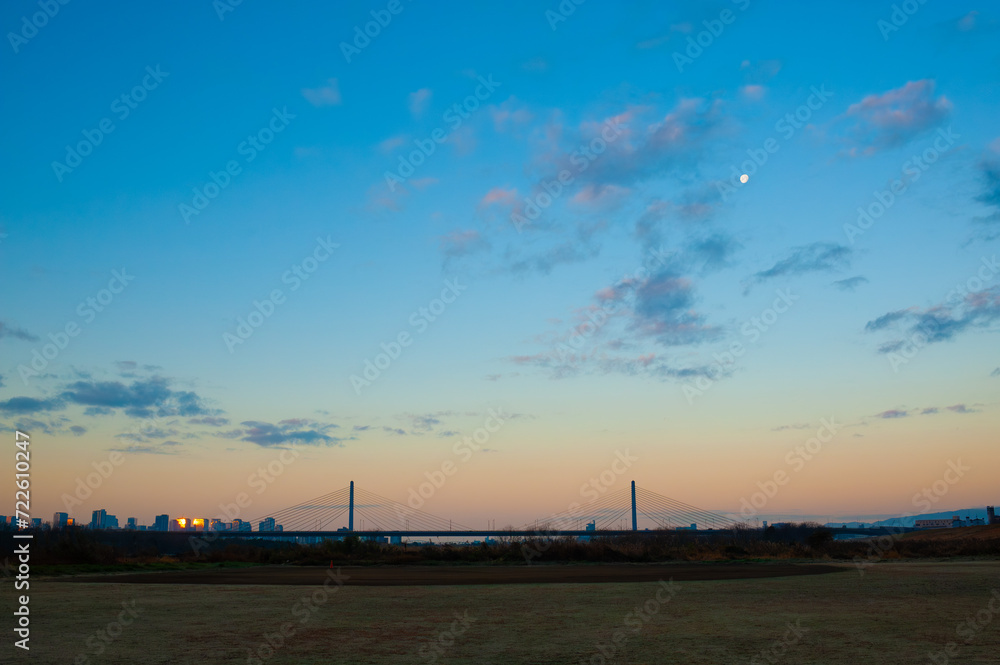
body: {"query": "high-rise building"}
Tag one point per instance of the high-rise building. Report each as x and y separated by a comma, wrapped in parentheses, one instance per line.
(97, 519)
(131, 523)
(110, 522)
(266, 524)
(59, 520)
(36, 522)
(161, 523)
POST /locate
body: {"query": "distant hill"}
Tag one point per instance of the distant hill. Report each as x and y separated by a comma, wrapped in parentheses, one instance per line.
(964, 513)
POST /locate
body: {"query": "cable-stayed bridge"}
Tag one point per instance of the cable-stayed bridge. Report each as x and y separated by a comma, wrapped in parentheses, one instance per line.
(355, 511)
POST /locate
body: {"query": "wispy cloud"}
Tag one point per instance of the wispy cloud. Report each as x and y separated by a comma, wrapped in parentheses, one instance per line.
(941, 322)
(144, 398)
(392, 143)
(630, 328)
(147, 434)
(851, 283)
(817, 257)
(287, 432)
(892, 414)
(564, 365)
(760, 71)
(967, 22)
(663, 307)
(460, 243)
(710, 252)
(426, 422)
(326, 95)
(565, 252)
(893, 118)
(7, 330)
(503, 196)
(50, 425)
(681, 28)
(601, 198)
(164, 448)
(987, 227)
(211, 421)
(419, 101)
(782, 428)
(510, 114)
(30, 405)
(639, 142)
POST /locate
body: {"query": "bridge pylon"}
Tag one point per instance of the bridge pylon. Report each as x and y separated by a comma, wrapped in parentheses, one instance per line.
(635, 523)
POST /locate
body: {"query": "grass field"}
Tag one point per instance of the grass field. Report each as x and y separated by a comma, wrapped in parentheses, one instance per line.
(983, 532)
(468, 574)
(893, 614)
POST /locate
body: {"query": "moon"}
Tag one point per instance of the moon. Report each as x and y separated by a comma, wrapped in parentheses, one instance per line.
(744, 178)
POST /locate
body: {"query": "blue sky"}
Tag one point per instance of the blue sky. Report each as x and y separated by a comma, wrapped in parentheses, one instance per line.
(309, 135)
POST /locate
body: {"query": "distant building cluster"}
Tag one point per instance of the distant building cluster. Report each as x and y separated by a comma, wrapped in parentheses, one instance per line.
(101, 519)
(204, 524)
(956, 521)
(11, 522)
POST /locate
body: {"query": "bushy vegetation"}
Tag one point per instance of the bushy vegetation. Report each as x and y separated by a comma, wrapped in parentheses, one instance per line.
(92, 550)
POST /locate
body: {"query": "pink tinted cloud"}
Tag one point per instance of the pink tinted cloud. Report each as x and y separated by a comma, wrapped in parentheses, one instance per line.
(511, 113)
(419, 101)
(894, 117)
(968, 22)
(462, 242)
(499, 196)
(600, 197)
(391, 143)
(424, 183)
(328, 95)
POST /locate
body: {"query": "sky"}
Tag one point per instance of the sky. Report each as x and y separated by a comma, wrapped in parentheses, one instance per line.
(490, 250)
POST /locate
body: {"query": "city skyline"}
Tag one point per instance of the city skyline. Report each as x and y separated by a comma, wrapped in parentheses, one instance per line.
(696, 247)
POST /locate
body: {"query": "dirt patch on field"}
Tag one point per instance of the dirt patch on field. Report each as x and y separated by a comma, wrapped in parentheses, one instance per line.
(440, 575)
